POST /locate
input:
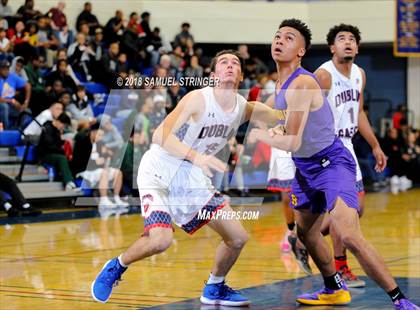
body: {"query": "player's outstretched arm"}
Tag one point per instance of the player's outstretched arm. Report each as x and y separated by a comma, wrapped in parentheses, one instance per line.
(299, 99)
(259, 112)
(190, 106)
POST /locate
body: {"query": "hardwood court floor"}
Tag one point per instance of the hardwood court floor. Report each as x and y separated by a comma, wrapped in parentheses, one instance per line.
(50, 265)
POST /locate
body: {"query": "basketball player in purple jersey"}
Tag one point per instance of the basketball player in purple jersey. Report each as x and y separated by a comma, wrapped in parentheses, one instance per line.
(343, 83)
(325, 172)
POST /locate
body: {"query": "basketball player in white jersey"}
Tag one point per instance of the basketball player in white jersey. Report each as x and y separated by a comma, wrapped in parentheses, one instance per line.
(174, 184)
(343, 83)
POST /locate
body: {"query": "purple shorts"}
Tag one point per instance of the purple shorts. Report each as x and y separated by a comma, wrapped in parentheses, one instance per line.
(322, 178)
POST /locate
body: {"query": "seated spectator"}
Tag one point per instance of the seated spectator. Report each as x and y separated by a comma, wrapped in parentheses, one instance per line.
(17, 67)
(87, 17)
(175, 93)
(411, 157)
(59, 24)
(177, 59)
(62, 75)
(112, 139)
(136, 147)
(50, 114)
(5, 9)
(81, 55)
(47, 41)
(133, 23)
(109, 66)
(91, 161)
(98, 44)
(17, 204)
(80, 110)
(182, 37)
(33, 33)
(114, 28)
(39, 101)
(144, 24)
(51, 152)
(62, 55)
(12, 104)
(398, 116)
(27, 12)
(5, 46)
(54, 93)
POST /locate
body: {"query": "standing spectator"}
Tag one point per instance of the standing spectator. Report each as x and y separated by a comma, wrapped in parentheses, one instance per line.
(51, 152)
(5, 9)
(87, 16)
(11, 104)
(182, 37)
(17, 204)
(39, 101)
(114, 28)
(62, 75)
(27, 12)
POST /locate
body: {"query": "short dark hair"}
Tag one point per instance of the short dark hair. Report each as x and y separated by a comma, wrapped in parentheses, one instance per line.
(64, 118)
(144, 14)
(224, 52)
(343, 27)
(80, 88)
(299, 26)
(185, 25)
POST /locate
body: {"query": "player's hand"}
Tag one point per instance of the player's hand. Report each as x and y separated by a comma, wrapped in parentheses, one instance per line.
(208, 162)
(381, 159)
(253, 135)
(278, 130)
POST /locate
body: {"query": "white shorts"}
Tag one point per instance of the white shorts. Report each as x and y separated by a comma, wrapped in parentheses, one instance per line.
(174, 190)
(94, 176)
(359, 178)
(282, 171)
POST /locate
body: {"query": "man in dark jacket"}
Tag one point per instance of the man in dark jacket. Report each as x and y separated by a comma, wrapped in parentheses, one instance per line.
(51, 152)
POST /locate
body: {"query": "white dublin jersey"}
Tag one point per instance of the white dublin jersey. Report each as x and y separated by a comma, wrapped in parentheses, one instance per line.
(211, 133)
(344, 99)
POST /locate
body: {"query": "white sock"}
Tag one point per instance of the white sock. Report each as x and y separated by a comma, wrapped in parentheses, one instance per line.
(7, 206)
(26, 206)
(120, 261)
(214, 279)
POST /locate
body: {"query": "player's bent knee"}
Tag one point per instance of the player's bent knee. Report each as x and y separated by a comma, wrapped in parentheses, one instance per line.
(161, 241)
(238, 242)
(351, 242)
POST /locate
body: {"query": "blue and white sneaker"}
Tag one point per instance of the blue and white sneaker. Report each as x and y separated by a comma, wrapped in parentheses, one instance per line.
(109, 276)
(221, 294)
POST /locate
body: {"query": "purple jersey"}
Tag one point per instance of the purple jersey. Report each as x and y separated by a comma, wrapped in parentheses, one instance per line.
(325, 169)
(319, 129)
